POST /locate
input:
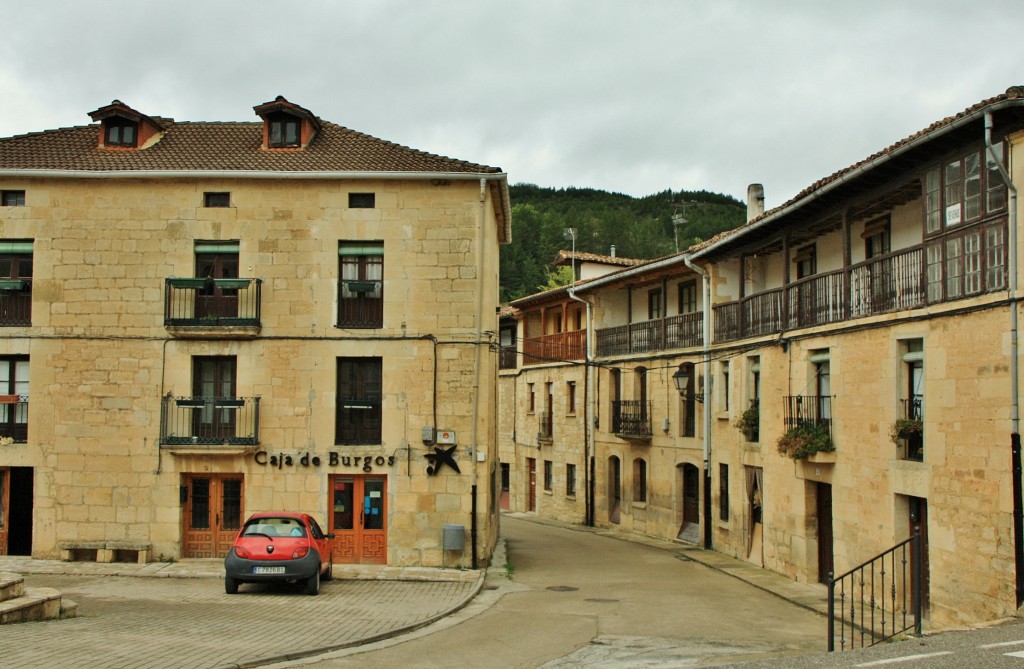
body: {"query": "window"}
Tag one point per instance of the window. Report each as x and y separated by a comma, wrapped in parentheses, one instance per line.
(359, 401)
(724, 396)
(961, 191)
(654, 304)
(822, 386)
(285, 131)
(723, 492)
(213, 378)
(531, 394)
(877, 238)
(688, 400)
(639, 480)
(806, 262)
(912, 400)
(15, 282)
(361, 293)
(570, 397)
(967, 263)
(12, 198)
(548, 475)
(216, 199)
(120, 132)
(570, 480)
(361, 200)
(688, 297)
(14, 397)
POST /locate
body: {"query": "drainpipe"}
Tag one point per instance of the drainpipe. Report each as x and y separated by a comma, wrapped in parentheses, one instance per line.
(1018, 498)
(474, 439)
(708, 389)
(588, 427)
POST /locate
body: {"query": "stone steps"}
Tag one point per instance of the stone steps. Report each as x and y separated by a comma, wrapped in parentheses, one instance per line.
(19, 604)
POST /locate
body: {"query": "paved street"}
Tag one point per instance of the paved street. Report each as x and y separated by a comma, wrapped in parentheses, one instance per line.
(577, 598)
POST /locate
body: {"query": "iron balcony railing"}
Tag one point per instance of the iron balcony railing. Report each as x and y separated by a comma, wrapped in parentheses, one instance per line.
(878, 599)
(808, 410)
(679, 331)
(555, 347)
(210, 420)
(15, 302)
(14, 418)
(631, 419)
(212, 302)
(361, 304)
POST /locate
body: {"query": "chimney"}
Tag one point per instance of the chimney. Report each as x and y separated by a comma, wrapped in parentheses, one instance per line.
(755, 201)
(613, 250)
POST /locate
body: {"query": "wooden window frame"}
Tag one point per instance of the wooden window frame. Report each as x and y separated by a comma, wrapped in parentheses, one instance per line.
(360, 389)
(362, 200)
(216, 199)
(12, 198)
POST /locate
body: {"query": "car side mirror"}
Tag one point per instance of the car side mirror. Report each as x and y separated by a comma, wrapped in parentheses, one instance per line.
(330, 535)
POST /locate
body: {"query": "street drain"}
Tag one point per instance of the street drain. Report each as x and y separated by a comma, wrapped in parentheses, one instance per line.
(602, 601)
(562, 588)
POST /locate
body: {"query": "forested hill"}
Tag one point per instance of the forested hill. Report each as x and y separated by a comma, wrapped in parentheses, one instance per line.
(636, 227)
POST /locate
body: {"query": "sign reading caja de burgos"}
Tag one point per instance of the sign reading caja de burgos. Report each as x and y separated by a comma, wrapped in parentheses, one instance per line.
(334, 459)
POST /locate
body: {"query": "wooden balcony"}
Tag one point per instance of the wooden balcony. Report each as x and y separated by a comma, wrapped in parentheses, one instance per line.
(208, 421)
(555, 347)
(906, 279)
(680, 331)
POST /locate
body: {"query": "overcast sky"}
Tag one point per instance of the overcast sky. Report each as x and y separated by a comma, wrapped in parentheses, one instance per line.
(631, 96)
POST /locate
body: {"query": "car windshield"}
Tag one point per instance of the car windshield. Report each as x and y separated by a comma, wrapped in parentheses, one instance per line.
(275, 527)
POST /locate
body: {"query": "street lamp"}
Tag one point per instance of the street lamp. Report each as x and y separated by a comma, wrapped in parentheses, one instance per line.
(682, 382)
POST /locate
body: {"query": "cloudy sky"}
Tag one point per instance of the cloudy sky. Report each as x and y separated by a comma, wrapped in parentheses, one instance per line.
(633, 96)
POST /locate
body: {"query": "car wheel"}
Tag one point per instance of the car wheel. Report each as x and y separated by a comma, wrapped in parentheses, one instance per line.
(230, 585)
(329, 574)
(313, 583)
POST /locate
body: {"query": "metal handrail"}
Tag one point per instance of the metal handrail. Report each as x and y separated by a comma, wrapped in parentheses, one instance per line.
(866, 597)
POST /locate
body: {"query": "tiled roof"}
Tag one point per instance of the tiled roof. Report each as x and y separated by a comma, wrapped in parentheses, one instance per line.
(812, 191)
(223, 146)
(564, 257)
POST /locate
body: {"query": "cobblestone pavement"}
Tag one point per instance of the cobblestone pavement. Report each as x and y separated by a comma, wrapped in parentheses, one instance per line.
(189, 622)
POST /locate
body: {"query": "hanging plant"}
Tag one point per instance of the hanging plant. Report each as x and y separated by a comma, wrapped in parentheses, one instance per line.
(805, 439)
(749, 421)
(905, 428)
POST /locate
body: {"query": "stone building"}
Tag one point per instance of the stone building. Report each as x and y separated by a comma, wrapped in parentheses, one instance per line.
(202, 320)
(809, 390)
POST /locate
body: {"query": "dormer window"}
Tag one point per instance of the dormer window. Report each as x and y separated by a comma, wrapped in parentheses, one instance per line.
(120, 132)
(285, 131)
(286, 125)
(121, 127)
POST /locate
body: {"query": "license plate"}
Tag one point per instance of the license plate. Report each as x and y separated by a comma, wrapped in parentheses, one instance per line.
(268, 570)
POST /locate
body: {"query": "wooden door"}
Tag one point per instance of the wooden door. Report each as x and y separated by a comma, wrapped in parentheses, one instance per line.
(531, 484)
(5, 504)
(823, 501)
(691, 495)
(212, 514)
(213, 301)
(358, 519)
(213, 378)
(919, 522)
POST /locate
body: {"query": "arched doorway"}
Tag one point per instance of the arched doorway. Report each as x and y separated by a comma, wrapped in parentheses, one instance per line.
(689, 529)
(614, 488)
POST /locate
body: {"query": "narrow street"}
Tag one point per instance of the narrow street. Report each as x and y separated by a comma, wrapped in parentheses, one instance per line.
(576, 598)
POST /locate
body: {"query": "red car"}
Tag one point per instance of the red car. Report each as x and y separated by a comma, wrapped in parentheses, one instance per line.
(279, 546)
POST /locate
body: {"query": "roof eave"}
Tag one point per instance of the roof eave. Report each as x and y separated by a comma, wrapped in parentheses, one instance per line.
(854, 173)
